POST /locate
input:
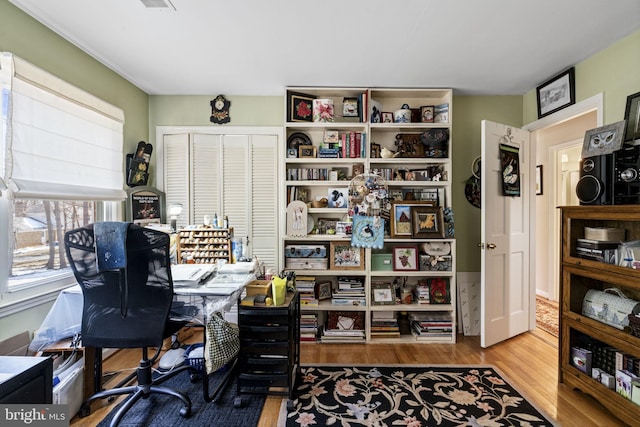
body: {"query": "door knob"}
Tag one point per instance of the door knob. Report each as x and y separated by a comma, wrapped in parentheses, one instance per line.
(491, 246)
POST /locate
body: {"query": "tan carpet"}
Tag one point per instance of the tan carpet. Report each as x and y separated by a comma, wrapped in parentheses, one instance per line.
(547, 315)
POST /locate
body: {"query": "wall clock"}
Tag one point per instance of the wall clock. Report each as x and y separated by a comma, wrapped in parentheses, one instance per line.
(220, 110)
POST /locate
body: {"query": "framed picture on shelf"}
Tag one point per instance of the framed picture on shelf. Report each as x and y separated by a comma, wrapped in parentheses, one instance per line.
(405, 258)
(307, 152)
(632, 116)
(427, 222)
(387, 117)
(375, 151)
(324, 290)
(337, 197)
(556, 93)
(325, 225)
(331, 136)
(426, 114)
(383, 293)
(299, 107)
(603, 140)
(350, 107)
(343, 256)
(400, 222)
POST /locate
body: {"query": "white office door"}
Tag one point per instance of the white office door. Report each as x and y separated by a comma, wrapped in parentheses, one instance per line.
(505, 252)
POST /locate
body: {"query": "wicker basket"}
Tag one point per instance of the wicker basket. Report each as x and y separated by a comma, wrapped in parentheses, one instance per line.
(634, 323)
(322, 203)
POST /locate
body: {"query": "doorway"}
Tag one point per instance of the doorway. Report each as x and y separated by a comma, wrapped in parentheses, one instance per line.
(558, 145)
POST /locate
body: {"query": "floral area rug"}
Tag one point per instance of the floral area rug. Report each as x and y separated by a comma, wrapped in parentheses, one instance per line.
(408, 395)
(547, 313)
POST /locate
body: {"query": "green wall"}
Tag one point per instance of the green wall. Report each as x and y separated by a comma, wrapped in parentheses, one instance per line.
(27, 38)
(614, 71)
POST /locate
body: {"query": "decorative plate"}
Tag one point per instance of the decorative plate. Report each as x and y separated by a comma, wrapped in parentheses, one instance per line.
(297, 139)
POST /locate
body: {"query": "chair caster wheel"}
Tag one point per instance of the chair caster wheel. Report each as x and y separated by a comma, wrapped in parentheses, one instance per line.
(237, 402)
(185, 412)
(84, 411)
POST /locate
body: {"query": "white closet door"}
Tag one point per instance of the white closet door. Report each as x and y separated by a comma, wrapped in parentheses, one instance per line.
(263, 217)
(176, 174)
(227, 174)
(206, 177)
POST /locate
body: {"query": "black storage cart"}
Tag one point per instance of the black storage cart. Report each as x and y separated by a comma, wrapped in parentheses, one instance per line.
(269, 358)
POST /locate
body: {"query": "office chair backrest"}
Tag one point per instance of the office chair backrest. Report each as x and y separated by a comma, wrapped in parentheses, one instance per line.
(128, 307)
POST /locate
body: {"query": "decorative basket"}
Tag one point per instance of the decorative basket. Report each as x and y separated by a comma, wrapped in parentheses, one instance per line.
(634, 323)
(322, 203)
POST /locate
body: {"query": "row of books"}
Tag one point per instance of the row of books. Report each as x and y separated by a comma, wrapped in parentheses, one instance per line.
(432, 326)
(384, 324)
(349, 145)
(306, 286)
(350, 291)
(309, 327)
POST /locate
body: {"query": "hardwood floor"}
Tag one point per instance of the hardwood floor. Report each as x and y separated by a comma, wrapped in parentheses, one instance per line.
(528, 361)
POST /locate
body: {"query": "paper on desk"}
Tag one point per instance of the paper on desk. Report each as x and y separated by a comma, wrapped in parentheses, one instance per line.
(191, 274)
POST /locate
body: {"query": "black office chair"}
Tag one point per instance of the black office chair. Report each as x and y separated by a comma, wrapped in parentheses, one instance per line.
(125, 275)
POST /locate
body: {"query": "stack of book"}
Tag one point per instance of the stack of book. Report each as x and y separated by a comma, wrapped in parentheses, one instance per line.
(384, 324)
(306, 289)
(432, 326)
(421, 293)
(344, 326)
(350, 291)
(309, 327)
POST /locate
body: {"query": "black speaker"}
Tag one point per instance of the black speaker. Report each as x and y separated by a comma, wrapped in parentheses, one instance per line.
(595, 186)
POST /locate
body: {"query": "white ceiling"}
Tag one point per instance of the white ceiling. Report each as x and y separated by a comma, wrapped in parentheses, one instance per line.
(258, 47)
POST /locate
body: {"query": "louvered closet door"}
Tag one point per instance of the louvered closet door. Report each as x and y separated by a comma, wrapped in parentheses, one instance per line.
(233, 175)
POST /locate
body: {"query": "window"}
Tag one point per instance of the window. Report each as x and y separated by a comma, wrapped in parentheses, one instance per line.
(61, 167)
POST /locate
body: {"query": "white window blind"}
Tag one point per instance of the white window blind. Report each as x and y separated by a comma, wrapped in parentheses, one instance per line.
(58, 142)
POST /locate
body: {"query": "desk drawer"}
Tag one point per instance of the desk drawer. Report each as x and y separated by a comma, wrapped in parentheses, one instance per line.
(263, 380)
(264, 333)
(271, 365)
(255, 348)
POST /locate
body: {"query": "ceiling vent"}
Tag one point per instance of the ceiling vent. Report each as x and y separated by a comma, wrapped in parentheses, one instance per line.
(158, 4)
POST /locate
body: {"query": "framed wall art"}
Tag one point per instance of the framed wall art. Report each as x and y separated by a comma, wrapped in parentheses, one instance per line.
(343, 256)
(400, 224)
(632, 116)
(383, 294)
(307, 152)
(299, 107)
(405, 258)
(603, 140)
(556, 93)
(427, 222)
(323, 290)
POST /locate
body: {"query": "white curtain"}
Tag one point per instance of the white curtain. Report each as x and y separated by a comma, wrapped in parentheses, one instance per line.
(58, 142)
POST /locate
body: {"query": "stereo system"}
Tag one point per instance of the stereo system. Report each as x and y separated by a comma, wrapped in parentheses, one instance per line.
(610, 179)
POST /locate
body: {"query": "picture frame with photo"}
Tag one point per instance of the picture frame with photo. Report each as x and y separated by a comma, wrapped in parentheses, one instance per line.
(386, 117)
(426, 113)
(350, 107)
(338, 197)
(323, 291)
(400, 222)
(632, 116)
(307, 152)
(331, 137)
(603, 140)
(343, 256)
(405, 258)
(383, 294)
(556, 93)
(299, 107)
(427, 222)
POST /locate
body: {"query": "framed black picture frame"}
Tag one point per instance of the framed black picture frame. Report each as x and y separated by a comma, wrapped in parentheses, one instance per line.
(632, 116)
(299, 107)
(539, 180)
(145, 205)
(556, 93)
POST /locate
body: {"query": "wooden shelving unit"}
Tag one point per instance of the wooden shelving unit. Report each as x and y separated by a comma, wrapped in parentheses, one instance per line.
(578, 276)
(206, 245)
(386, 136)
